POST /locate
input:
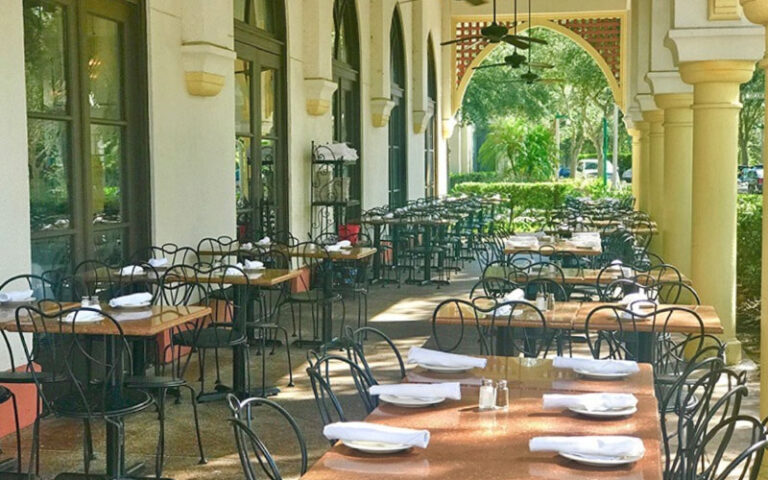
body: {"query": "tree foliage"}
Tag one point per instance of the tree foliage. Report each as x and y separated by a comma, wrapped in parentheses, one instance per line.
(752, 119)
(578, 92)
(519, 150)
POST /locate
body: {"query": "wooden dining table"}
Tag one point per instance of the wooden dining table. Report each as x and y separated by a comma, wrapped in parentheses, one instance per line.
(583, 276)
(573, 316)
(146, 323)
(559, 246)
(466, 443)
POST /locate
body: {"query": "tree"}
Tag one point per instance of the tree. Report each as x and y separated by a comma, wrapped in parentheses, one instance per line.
(752, 119)
(519, 150)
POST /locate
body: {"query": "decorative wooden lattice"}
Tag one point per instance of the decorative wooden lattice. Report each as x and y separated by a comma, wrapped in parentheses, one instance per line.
(604, 34)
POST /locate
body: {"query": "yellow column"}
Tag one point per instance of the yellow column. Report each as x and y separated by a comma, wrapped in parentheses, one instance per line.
(644, 163)
(678, 167)
(655, 175)
(637, 153)
(756, 11)
(715, 148)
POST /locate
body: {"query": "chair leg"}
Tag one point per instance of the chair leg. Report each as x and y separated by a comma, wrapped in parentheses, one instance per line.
(18, 432)
(160, 455)
(293, 319)
(193, 397)
(288, 353)
(87, 446)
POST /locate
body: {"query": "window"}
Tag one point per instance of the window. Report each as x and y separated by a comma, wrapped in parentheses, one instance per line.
(86, 129)
(346, 99)
(261, 170)
(398, 158)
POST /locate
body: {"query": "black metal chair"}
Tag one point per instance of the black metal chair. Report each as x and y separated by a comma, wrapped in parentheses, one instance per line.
(708, 459)
(221, 249)
(357, 338)
(459, 313)
(6, 395)
(89, 400)
(325, 373)
(495, 287)
(517, 325)
(174, 254)
(251, 447)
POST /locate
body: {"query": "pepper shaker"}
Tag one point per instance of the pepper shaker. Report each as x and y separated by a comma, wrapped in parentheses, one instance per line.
(502, 395)
(550, 301)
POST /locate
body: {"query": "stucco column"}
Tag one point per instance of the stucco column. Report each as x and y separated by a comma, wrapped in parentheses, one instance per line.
(756, 11)
(636, 132)
(678, 167)
(654, 174)
(715, 148)
(644, 165)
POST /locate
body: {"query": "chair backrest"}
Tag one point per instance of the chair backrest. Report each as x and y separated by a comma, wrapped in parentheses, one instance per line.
(534, 286)
(221, 249)
(252, 446)
(732, 449)
(525, 327)
(43, 287)
(454, 312)
(676, 293)
(621, 287)
(492, 287)
(312, 257)
(357, 339)
(76, 354)
(324, 376)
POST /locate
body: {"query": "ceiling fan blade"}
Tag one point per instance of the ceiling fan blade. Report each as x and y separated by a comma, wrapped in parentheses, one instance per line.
(516, 41)
(493, 65)
(476, 2)
(462, 39)
(537, 40)
(551, 80)
(540, 65)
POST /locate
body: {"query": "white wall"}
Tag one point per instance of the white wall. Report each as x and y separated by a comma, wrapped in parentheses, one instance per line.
(192, 139)
(14, 182)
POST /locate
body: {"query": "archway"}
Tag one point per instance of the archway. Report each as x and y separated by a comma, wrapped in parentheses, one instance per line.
(583, 32)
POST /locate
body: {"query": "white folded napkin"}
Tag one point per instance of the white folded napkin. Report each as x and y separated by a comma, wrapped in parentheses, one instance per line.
(266, 241)
(586, 235)
(246, 246)
(450, 390)
(593, 402)
(344, 244)
(632, 298)
(389, 215)
(132, 270)
(515, 295)
(131, 300)
(254, 265)
(596, 366)
(332, 248)
(435, 358)
(373, 432)
(85, 316)
(15, 295)
(234, 272)
(158, 262)
(603, 446)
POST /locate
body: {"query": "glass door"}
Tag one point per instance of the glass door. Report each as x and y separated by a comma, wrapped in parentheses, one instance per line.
(398, 158)
(87, 158)
(259, 169)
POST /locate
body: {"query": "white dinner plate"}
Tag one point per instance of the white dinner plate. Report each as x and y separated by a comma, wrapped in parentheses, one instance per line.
(600, 375)
(596, 461)
(619, 412)
(411, 402)
(134, 306)
(376, 447)
(441, 369)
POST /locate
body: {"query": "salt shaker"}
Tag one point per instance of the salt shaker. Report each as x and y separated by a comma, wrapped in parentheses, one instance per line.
(541, 301)
(85, 302)
(550, 301)
(487, 396)
(502, 395)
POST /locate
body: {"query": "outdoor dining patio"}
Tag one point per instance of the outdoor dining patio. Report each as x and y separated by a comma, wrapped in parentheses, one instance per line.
(382, 239)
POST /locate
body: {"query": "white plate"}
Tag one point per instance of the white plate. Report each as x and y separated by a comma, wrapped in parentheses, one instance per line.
(600, 375)
(600, 461)
(623, 412)
(134, 306)
(376, 447)
(440, 369)
(411, 402)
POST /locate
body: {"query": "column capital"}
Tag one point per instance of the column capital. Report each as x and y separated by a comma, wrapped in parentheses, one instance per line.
(643, 127)
(653, 117)
(674, 100)
(717, 71)
(756, 11)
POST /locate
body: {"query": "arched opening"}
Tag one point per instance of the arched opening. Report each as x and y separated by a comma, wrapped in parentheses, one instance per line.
(261, 166)
(569, 109)
(613, 82)
(346, 99)
(398, 156)
(430, 137)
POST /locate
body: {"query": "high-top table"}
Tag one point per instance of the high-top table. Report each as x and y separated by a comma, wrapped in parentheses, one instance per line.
(134, 323)
(466, 443)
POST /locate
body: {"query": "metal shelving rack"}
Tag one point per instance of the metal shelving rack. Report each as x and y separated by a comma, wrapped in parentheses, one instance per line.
(330, 191)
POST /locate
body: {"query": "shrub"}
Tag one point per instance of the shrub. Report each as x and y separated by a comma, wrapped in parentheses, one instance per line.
(482, 177)
(749, 242)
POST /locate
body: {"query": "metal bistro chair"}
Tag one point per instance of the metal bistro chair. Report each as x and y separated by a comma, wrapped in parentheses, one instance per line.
(172, 253)
(253, 446)
(518, 326)
(456, 312)
(356, 341)
(709, 459)
(88, 400)
(323, 382)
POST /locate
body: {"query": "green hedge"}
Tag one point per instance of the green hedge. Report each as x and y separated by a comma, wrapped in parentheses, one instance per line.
(749, 242)
(484, 177)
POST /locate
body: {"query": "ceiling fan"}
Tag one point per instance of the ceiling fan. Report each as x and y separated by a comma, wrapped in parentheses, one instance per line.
(516, 60)
(530, 77)
(497, 33)
(471, 2)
